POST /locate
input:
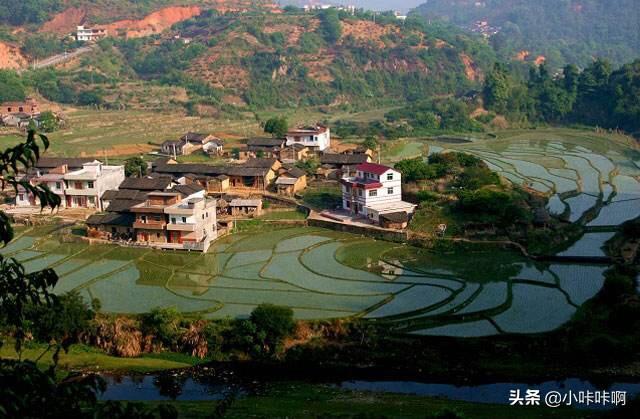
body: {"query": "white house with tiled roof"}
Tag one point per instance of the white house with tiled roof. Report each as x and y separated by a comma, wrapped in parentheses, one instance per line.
(374, 190)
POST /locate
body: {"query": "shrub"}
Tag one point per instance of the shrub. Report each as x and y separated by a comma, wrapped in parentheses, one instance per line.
(162, 324)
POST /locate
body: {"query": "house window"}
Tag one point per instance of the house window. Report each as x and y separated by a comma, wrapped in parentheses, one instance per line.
(359, 192)
(203, 216)
(90, 185)
(390, 191)
(173, 221)
(92, 200)
(78, 185)
(373, 193)
(21, 197)
(157, 218)
(143, 219)
(347, 204)
(184, 219)
(157, 235)
(390, 176)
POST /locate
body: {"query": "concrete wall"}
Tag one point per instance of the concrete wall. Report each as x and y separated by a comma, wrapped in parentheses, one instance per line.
(376, 233)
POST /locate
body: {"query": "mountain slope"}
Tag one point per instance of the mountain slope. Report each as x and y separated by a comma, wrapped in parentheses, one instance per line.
(564, 31)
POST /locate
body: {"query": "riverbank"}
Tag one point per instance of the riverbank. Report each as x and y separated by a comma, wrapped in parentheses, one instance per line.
(299, 400)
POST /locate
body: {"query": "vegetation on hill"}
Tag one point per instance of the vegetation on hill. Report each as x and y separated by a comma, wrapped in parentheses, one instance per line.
(564, 31)
(598, 95)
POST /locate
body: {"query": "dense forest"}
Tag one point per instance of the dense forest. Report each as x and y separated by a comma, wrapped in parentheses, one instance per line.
(564, 31)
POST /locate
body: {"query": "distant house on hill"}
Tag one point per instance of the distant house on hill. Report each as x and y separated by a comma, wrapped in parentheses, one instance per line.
(87, 34)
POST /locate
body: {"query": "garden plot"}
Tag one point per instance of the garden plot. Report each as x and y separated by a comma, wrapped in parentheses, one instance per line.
(120, 293)
(286, 267)
(532, 273)
(474, 329)
(580, 282)
(83, 275)
(565, 173)
(589, 177)
(323, 275)
(322, 259)
(35, 265)
(493, 295)
(627, 188)
(297, 299)
(536, 172)
(299, 243)
(248, 258)
(617, 213)
(531, 312)
(416, 298)
(589, 245)
(465, 296)
(17, 245)
(600, 162)
(579, 205)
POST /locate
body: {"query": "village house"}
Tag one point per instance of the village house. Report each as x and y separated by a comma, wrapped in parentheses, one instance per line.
(84, 188)
(214, 147)
(86, 34)
(290, 181)
(179, 147)
(316, 138)
(27, 107)
(80, 183)
(374, 191)
(336, 166)
(267, 147)
(245, 207)
(111, 226)
(254, 175)
(294, 153)
(191, 223)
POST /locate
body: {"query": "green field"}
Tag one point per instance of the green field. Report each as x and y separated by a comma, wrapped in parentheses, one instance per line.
(320, 274)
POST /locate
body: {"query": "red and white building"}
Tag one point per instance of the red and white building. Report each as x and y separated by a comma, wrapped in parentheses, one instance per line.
(375, 190)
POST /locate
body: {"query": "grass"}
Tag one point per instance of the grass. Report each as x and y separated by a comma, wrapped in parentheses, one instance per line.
(323, 196)
(81, 357)
(283, 215)
(297, 400)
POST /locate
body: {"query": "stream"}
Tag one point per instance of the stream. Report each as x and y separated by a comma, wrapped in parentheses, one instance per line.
(185, 387)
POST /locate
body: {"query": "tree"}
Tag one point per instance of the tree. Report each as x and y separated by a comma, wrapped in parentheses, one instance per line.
(48, 122)
(370, 142)
(135, 167)
(26, 390)
(277, 127)
(272, 325)
(496, 89)
(331, 27)
(11, 87)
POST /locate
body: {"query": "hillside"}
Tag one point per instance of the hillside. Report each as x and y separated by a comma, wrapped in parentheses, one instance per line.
(563, 31)
(216, 62)
(380, 5)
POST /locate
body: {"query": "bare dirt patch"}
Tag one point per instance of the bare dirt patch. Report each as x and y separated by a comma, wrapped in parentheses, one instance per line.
(65, 22)
(366, 31)
(470, 68)
(11, 57)
(154, 23)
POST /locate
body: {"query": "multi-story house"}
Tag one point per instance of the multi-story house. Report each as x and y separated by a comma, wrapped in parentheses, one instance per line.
(80, 183)
(316, 139)
(191, 223)
(84, 188)
(375, 190)
(167, 221)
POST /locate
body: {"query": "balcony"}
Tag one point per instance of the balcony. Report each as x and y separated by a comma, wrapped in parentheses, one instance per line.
(182, 227)
(81, 192)
(158, 225)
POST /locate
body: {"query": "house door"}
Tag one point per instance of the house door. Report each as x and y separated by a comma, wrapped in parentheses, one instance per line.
(175, 237)
(69, 201)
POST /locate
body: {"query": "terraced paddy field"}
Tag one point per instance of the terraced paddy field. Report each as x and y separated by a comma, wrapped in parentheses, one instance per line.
(321, 274)
(592, 179)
